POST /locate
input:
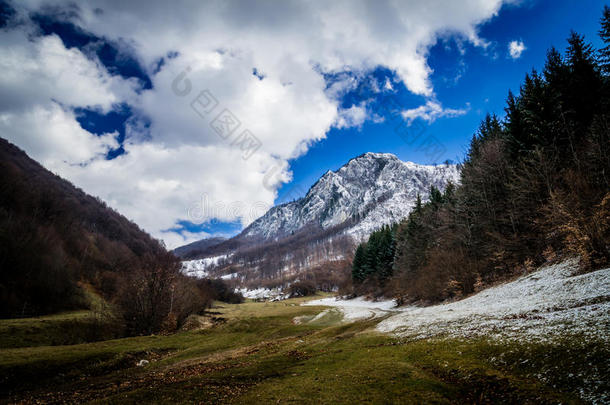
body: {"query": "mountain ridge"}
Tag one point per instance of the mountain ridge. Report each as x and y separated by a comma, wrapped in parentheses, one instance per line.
(344, 197)
(201, 244)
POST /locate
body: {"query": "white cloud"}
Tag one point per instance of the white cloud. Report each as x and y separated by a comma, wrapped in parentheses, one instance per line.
(155, 186)
(431, 111)
(515, 49)
(170, 163)
(36, 71)
(351, 117)
(52, 136)
(388, 85)
(41, 81)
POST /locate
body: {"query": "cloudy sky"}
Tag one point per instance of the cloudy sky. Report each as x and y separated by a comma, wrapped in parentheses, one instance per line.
(193, 118)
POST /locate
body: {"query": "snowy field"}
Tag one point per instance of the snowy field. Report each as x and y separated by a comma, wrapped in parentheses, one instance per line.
(542, 305)
(357, 308)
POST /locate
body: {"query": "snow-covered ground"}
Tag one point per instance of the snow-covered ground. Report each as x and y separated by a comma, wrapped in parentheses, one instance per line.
(357, 308)
(542, 305)
(198, 268)
(272, 294)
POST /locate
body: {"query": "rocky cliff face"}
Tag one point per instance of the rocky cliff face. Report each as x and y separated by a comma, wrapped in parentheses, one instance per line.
(372, 189)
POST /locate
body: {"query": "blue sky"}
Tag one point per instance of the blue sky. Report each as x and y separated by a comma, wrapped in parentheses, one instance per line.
(88, 91)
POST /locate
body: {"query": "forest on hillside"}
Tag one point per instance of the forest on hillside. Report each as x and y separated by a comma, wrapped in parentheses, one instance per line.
(59, 247)
(535, 186)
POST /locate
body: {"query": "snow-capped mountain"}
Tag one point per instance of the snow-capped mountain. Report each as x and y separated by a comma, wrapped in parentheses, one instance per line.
(342, 208)
(372, 189)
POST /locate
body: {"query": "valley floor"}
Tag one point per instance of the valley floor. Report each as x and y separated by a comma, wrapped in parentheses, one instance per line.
(285, 352)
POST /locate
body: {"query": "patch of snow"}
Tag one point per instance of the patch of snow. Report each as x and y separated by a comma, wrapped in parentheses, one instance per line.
(273, 294)
(320, 315)
(198, 268)
(539, 306)
(357, 308)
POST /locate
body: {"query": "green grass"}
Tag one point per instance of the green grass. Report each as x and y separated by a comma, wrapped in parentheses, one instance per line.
(259, 355)
(61, 329)
(65, 328)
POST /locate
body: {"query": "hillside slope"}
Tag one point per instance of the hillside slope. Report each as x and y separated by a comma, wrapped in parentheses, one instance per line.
(53, 235)
(542, 305)
(197, 247)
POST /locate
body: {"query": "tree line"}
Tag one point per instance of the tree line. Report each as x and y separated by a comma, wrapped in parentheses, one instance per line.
(534, 185)
(375, 258)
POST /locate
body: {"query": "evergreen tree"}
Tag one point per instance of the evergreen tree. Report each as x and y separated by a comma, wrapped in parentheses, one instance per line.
(537, 112)
(555, 69)
(357, 264)
(418, 205)
(412, 241)
(370, 255)
(376, 257)
(490, 128)
(604, 33)
(436, 197)
(583, 92)
(556, 78)
(514, 124)
(449, 193)
(385, 252)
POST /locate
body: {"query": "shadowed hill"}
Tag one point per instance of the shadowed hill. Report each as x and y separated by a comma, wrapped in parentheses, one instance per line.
(53, 235)
(197, 247)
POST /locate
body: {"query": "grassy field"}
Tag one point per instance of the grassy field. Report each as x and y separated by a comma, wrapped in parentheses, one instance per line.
(257, 353)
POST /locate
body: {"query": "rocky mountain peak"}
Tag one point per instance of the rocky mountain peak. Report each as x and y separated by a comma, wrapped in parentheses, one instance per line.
(370, 190)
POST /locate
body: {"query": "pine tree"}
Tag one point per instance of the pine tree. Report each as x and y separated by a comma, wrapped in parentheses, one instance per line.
(449, 193)
(357, 273)
(536, 111)
(370, 255)
(418, 205)
(514, 124)
(490, 128)
(386, 252)
(578, 50)
(556, 76)
(583, 93)
(604, 33)
(555, 69)
(436, 197)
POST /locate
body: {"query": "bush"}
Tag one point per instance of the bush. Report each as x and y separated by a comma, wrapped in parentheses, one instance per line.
(157, 297)
(219, 290)
(586, 235)
(301, 289)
